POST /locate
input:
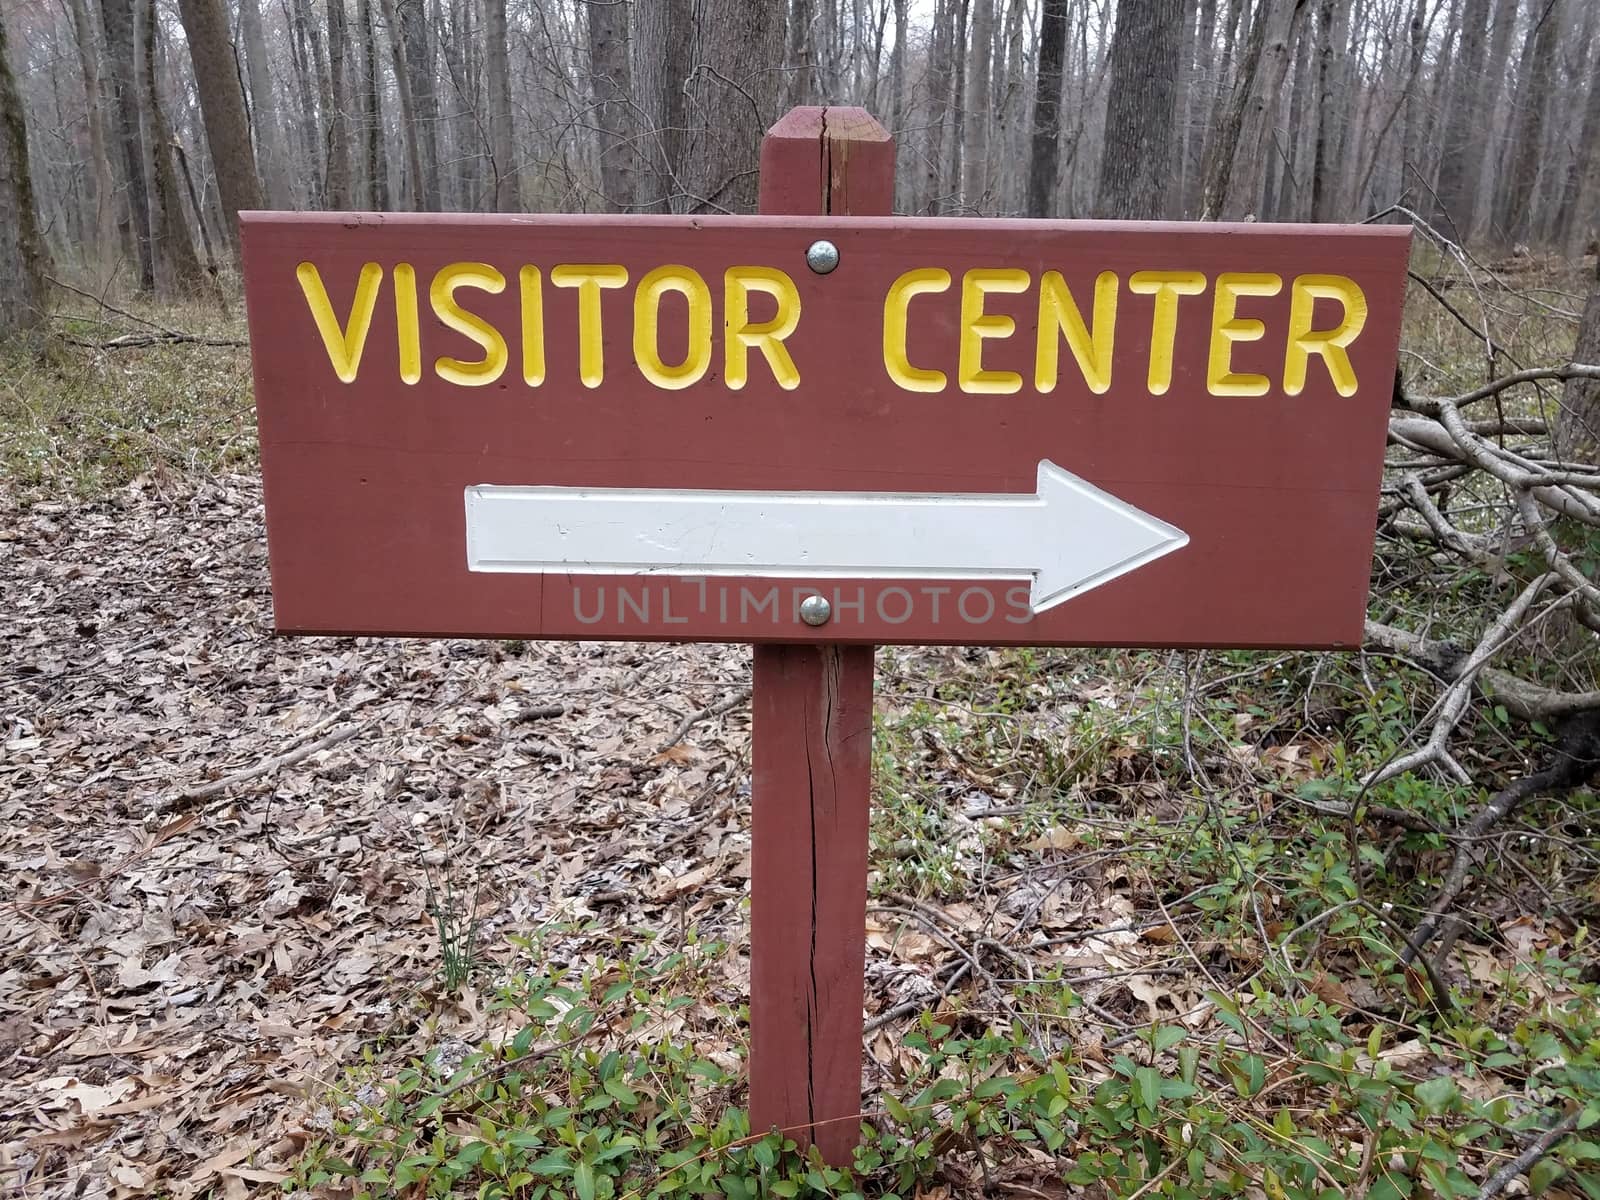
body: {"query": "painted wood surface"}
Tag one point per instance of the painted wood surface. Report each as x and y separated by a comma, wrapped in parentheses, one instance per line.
(365, 480)
(812, 750)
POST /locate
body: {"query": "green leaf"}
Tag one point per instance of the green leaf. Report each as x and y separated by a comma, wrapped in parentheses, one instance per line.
(1436, 1094)
(1147, 1088)
(583, 1181)
(1166, 1037)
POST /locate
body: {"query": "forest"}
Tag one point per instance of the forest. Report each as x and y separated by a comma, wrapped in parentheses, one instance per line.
(1152, 916)
(149, 126)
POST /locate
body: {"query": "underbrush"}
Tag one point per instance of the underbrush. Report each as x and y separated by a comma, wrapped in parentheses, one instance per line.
(1293, 1056)
(115, 399)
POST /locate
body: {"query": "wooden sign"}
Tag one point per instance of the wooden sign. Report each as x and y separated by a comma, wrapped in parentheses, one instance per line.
(816, 430)
(1007, 432)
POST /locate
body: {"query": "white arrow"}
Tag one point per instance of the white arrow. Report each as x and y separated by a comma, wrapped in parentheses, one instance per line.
(1067, 538)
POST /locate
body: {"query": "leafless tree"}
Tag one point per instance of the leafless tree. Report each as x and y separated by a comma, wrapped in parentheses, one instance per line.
(21, 253)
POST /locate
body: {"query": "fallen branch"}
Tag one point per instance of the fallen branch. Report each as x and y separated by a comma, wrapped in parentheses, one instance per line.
(268, 766)
(705, 714)
(1522, 698)
(1575, 757)
(1537, 1149)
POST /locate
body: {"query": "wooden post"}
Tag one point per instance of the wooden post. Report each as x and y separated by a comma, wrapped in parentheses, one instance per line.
(812, 732)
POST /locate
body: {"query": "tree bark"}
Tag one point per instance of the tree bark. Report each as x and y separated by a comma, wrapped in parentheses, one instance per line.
(502, 141)
(897, 95)
(709, 84)
(1137, 157)
(271, 153)
(420, 69)
(1044, 163)
(611, 81)
(305, 46)
(104, 194)
(222, 108)
(22, 264)
(178, 270)
(377, 163)
(117, 16)
(1578, 426)
(661, 53)
(1569, 229)
(338, 138)
(1462, 147)
(1515, 210)
(1330, 108)
(975, 175)
(1233, 177)
(408, 111)
(1485, 184)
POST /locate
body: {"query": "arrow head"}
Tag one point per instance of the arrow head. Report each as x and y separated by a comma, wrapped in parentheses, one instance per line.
(1088, 537)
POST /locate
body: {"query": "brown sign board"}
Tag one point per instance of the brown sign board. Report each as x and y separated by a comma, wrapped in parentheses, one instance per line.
(966, 431)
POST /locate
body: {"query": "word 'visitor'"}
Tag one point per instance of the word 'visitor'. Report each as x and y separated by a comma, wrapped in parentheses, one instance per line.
(913, 297)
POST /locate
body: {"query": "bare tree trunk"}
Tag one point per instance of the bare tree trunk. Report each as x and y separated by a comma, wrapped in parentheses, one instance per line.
(661, 50)
(222, 106)
(1484, 184)
(197, 208)
(800, 57)
(733, 98)
(1139, 111)
(1569, 230)
(958, 93)
(118, 19)
(1233, 179)
(1183, 107)
(305, 45)
(1330, 108)
(938, 85)
(408, 111)
(22, 263)
(1462, 148)
(338, 139)
(177, 267)
(425, 105)
(897, 94)
(502, 141)
(271, 154)
(975, 176)
(377, 161)
(611, 79)
(104, 194)
(1578, 427)
(1514, 211)
(1288, 204)
(1044, 163)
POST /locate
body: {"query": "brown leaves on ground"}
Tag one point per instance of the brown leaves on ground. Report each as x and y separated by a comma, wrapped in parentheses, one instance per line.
(179, 976)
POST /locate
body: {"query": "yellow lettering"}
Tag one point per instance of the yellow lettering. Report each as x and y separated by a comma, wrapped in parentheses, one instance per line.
(405, 320)
(647, 326)
(896, 308)
(741, 336)
(976, 327)
(589, 278)
(471, 326)
(532, 289)
(1226, 329)
(1059, 316)
(1166, 287)
(344, 344)
(1329, 343)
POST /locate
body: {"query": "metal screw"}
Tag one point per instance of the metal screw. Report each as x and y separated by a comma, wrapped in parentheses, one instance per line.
(822, 257)
(814, 610)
